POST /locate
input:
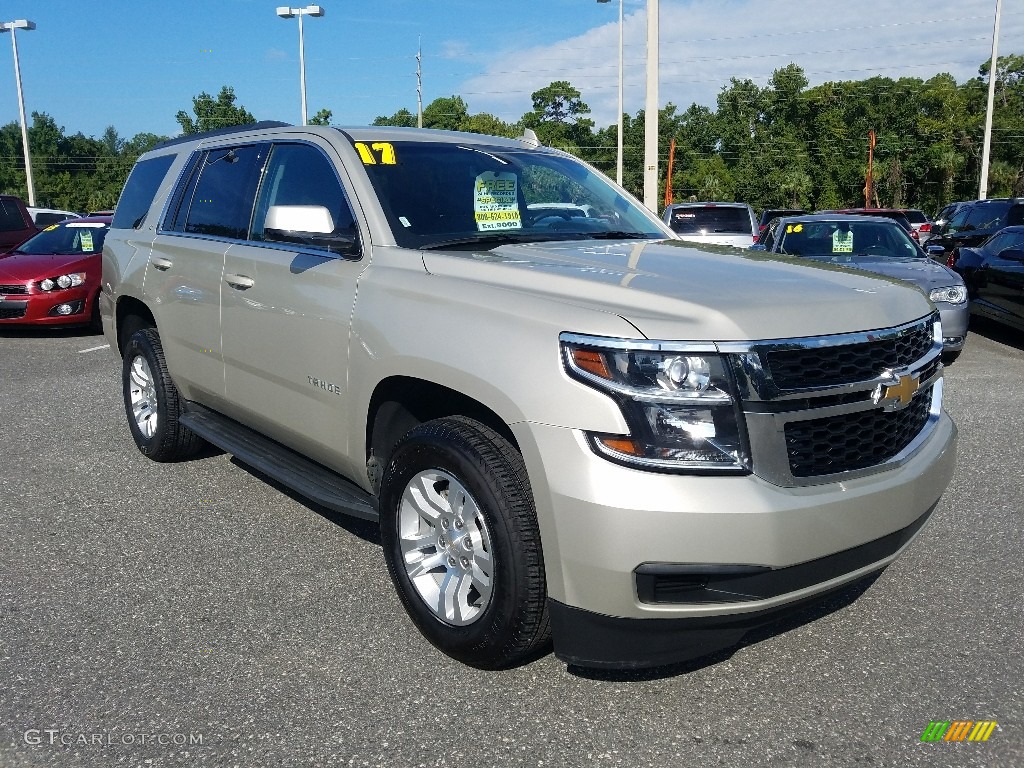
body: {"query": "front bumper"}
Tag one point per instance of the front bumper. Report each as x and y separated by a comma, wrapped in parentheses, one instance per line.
(591, 639)
(35, 308)
(600, 523)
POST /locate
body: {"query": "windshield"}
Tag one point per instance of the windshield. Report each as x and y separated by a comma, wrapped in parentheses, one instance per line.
(72, 237)
(438, 194)
(843, 240)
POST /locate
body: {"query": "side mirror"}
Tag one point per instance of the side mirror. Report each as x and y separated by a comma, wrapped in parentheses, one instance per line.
(310, 225)
(1012, 254)
(935, 250)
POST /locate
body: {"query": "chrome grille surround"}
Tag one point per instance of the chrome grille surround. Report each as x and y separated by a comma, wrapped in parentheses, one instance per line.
(769, 408)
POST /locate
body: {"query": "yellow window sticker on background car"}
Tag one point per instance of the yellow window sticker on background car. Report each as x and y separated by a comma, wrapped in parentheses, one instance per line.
(496, 202)
(791, 228)
(842, 242)
(369, 154)
(86, 236)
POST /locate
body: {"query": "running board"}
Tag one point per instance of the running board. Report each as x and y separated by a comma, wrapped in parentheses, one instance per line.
(314, 481)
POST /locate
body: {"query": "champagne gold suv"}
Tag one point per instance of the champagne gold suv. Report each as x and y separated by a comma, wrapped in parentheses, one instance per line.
(576, 428)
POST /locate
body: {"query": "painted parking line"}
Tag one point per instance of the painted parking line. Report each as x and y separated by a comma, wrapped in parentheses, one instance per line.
(93, 349)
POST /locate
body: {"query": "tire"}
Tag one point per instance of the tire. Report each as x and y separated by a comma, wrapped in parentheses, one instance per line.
(151, 401)
(482, 552)
(95, 321)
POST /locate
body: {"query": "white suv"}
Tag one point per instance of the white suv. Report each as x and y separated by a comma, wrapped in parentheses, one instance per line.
(714, 223)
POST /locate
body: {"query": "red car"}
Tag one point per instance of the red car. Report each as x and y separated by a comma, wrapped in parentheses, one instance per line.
(54, 277)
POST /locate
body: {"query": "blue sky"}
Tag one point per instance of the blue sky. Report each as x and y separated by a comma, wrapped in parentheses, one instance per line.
(133, 65)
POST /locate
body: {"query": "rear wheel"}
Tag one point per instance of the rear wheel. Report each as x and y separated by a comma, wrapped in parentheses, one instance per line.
(151, 401)
(461, 541)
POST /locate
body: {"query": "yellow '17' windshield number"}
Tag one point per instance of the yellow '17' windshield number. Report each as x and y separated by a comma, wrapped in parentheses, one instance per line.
(378, 152)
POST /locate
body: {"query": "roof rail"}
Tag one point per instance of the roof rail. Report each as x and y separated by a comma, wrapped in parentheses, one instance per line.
(223, 132)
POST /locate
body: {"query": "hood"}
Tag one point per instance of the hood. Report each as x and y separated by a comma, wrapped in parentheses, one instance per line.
(671, 290)
(22, 267)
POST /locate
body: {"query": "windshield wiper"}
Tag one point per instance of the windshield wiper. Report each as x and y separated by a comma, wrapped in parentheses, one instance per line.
(618, 235)
(488, 240)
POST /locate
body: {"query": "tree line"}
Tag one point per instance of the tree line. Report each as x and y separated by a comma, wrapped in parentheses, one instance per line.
(781, 145)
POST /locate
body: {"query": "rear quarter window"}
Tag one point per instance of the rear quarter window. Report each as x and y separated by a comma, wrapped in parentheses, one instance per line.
(139, 191)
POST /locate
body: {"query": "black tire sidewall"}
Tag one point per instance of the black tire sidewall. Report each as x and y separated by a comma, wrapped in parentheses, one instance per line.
(141, 344)
(484, 642)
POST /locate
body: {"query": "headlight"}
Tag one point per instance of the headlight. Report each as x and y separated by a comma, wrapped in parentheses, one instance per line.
(953, 294)
(679, 404)
(70, 280)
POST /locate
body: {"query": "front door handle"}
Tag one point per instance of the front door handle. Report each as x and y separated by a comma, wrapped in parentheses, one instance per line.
(161, 263)
(239, 282)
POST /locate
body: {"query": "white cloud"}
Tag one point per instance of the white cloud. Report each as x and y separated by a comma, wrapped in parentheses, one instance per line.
(703, 44)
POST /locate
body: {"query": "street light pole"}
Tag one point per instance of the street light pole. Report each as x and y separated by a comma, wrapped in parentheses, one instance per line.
(987, 145)
(10, 26)
(286, 12)
(651, 110)
(618, 146)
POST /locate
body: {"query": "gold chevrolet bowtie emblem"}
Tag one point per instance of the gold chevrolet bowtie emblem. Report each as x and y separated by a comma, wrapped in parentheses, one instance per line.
(899, 393)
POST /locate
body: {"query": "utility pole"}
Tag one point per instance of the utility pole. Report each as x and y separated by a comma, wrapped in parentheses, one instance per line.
(987, 146)
(651, 110)
(419, 84)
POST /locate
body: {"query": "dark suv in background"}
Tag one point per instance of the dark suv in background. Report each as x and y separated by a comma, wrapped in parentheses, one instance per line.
(973, 223)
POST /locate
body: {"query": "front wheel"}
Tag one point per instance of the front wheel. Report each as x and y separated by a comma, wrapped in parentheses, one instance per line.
(461, 541)
(151, 401)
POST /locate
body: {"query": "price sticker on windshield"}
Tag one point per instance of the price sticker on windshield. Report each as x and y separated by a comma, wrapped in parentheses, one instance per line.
(842, 242)
(496, 202)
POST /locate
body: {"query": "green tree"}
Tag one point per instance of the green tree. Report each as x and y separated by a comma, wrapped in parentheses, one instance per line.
(445, 113)
(403, 118)
(211, 113)
(559, 117)
(323, 117)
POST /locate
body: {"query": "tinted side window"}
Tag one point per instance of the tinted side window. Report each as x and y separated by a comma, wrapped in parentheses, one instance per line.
(300, 174)
(11, 219)
(956, 223)
(1015, 216)
(221, 204)
(139, 191)
(988, 216)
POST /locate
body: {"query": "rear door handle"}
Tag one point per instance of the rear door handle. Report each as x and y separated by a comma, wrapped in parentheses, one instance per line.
(161, 263)
(239, 282)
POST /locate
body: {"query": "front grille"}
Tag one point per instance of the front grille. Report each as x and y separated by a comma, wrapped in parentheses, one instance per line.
(19, 289)
(833, 366)
(854, 441)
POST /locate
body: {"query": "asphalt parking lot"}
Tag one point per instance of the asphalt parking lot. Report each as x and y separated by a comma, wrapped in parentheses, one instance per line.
(195, 615)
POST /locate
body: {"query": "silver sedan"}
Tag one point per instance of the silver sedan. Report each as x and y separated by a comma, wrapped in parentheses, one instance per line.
(877, 245)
